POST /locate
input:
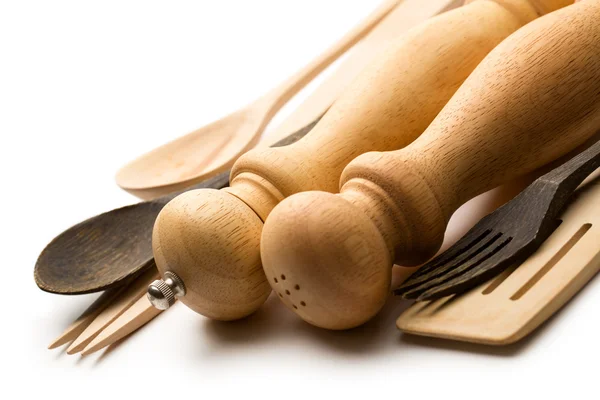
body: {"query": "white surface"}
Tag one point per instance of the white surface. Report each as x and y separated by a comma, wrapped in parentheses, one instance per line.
(86, 86)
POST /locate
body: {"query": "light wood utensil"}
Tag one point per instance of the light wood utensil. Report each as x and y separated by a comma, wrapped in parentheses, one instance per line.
(118, 306)
(512, 305)
(87, 317)
(210, 239)
(215, 147)
(115, 314)
(410, 13)
(535, 98)
(405, 16)
(138, 315)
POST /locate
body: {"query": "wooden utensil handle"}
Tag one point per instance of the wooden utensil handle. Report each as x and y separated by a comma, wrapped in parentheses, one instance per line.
(222, 180)
(545, 102)
(404, 17)
(387, 107)
(571, 174)
(284, 92)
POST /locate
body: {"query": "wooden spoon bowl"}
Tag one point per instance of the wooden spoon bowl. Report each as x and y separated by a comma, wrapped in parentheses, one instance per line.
(102, 252)
(75, 263)
(194, 157)
(215, 147)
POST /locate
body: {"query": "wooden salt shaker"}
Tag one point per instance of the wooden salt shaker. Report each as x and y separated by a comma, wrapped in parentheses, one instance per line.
(533, 99)
(207, 242)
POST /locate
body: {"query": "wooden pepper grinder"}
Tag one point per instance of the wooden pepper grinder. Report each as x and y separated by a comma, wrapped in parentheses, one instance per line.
(533, 99)
(207, 242)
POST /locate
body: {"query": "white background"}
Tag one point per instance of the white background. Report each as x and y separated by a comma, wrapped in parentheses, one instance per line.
(86, 86)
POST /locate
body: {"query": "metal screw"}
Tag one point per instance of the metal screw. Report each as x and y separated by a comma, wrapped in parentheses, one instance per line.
(162, 293)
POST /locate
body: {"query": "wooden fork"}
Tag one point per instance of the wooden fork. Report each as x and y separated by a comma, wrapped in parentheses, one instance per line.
(507, 236)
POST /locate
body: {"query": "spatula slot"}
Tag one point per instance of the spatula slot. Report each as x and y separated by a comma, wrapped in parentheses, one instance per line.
(553, 261)
(499, 280)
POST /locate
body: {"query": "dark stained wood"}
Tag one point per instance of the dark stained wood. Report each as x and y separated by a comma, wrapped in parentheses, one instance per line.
(505, 237)
(102, 252)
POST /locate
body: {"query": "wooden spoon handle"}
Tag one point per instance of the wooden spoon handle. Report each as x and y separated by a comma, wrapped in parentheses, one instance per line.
(286, 90)
(387, 107)
(407, 15)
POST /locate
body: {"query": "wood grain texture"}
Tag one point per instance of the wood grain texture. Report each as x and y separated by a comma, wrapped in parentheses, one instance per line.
(211, 239)
(215, 147)
(533, 99)
(511, 306)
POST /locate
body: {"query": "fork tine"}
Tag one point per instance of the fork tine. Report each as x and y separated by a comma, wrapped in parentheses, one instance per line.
(463, 250)
(85, 319)
(486, 251)
(460, 247)
(516, 253)
(503, 257)
(118, 306)
(138, 315)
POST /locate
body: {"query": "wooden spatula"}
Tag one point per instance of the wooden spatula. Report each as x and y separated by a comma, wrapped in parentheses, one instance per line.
(512, 305)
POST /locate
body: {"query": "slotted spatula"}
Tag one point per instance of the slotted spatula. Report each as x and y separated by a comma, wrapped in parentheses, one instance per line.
(510, 306)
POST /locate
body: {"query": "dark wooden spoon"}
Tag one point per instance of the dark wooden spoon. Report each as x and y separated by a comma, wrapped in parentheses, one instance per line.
(104, 251)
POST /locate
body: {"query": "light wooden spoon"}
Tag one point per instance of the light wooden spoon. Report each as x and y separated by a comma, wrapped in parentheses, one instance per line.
(215, 147)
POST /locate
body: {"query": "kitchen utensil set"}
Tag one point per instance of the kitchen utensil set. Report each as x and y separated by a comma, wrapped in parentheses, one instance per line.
(123, 308)
(210, 240)
(461, 103)
(127, 231)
